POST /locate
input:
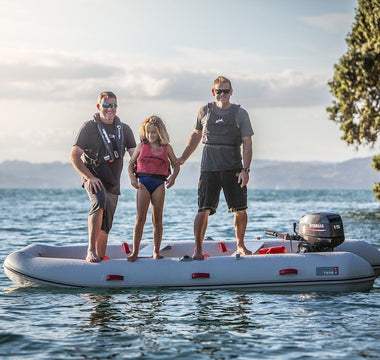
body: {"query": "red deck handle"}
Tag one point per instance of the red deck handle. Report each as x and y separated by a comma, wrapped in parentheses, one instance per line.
(126, 248)
(222, 246)
(272, 250)
(200, 275)
(288, 271)
(114, 277)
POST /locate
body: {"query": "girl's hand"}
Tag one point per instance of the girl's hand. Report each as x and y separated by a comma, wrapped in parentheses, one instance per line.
(170, 182)
(134, 182)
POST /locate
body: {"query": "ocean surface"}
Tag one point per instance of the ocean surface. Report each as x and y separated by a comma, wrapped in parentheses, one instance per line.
(52, 323)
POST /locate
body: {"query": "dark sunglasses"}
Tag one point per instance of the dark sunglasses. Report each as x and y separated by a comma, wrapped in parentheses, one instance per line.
(224, 91)
(112, 106)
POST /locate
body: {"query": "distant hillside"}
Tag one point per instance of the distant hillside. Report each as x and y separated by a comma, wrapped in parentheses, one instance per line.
(351, 174)
(23, 174)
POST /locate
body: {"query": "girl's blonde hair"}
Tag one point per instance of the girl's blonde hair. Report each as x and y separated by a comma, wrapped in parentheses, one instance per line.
(155, 121)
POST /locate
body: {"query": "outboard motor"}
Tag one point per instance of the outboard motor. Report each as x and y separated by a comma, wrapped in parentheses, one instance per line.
(322, 231)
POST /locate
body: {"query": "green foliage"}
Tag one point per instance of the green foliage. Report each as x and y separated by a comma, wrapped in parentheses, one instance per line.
(376, 162)
(356, 82)
(376, 190)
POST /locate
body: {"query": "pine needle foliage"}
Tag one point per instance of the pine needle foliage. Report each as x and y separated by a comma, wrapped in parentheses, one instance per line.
(356, 83)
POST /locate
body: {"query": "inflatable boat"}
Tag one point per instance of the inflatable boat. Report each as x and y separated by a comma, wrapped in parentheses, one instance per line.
(353, 266)
(286, 263)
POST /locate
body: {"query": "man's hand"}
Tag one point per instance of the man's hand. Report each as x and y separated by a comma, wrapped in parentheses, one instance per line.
(95, 184)
(180, 160)
(243, 178)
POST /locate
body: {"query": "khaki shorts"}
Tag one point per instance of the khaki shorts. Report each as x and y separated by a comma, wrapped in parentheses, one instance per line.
(103, 200)
(210, 184)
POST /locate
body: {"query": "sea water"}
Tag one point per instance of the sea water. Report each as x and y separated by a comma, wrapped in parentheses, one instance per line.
(54, 323)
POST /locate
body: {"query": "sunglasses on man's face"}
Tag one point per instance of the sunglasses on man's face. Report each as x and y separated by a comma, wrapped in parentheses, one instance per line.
(220, 91)
(112, 106)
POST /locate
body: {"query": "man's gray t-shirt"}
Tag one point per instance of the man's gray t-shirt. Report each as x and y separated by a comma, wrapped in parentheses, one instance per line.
(223, 157)
(90, 141)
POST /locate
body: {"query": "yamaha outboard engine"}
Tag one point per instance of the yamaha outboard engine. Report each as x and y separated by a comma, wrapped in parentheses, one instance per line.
(322, 231)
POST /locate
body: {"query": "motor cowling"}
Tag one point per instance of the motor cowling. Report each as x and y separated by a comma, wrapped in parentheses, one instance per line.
(322, 230)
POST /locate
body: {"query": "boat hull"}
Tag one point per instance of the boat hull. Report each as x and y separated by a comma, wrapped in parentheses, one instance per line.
(64, 267)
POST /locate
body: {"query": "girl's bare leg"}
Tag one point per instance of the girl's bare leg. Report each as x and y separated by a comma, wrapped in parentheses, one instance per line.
(158, 198)
(142, 205)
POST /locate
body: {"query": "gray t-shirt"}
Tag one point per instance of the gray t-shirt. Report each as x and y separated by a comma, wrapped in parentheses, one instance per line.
(223, 157)
(90, 141)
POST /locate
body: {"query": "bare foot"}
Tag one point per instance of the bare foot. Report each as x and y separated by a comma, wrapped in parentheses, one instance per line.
(92, 257)
(197, 256)
(242, 250)
(157, 256)
(132, 257)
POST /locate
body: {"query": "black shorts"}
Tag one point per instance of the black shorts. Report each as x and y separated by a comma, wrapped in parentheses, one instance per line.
(103, 200)
(210, 184)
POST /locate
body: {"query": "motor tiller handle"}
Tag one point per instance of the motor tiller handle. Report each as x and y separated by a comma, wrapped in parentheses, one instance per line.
(274, 233)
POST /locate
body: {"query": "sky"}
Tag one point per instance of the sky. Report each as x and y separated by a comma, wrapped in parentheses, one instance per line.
(160, 57)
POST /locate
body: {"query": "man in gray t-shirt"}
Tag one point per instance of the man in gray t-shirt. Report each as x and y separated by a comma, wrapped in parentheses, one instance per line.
(223, 127)
(97, 155)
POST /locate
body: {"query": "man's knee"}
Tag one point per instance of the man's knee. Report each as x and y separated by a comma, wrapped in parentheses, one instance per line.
(97, 208)
(203, 213)
(240, 218)
(99, 211)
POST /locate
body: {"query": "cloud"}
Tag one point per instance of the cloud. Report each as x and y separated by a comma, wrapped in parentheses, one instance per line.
(57, 76)
(329, 22)
(289, 88)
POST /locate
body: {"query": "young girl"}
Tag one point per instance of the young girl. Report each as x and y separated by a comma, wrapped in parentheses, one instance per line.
(148, 170)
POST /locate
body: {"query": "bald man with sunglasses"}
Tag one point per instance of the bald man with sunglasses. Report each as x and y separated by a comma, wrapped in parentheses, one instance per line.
(223, 128)
(97, 155)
